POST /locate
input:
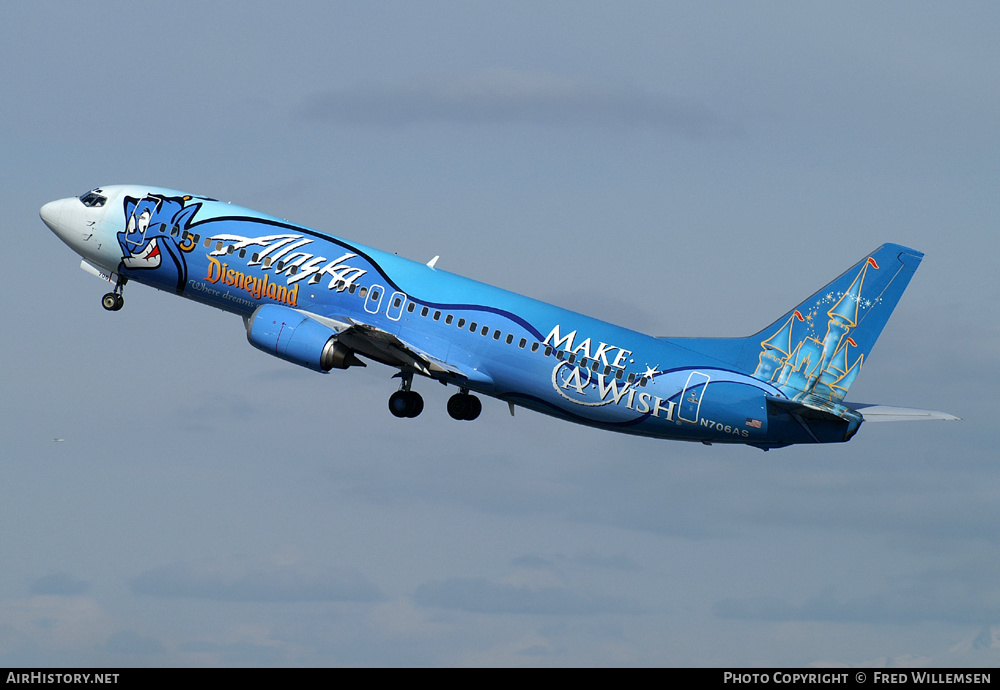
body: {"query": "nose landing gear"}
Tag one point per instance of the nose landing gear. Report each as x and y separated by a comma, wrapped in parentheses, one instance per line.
(113, 301)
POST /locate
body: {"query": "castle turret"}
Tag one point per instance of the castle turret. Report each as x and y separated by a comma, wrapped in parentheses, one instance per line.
(775, 352)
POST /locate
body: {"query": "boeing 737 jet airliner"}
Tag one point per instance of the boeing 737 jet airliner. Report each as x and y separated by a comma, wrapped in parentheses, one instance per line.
(326, 303)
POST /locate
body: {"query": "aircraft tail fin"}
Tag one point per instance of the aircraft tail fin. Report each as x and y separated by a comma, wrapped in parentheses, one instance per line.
(815, 351)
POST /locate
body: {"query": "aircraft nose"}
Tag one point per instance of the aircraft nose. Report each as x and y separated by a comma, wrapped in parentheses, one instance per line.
(51, 214)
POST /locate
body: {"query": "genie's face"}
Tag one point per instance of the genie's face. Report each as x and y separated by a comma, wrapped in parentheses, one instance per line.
(137, 252)
(147, 241)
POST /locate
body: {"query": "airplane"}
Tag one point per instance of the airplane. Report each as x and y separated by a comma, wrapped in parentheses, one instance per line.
(327, 303)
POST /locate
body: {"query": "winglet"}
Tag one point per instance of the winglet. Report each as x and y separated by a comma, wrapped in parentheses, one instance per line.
(433, 261)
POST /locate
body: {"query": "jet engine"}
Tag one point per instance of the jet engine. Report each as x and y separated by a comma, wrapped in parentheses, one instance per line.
(293, 336)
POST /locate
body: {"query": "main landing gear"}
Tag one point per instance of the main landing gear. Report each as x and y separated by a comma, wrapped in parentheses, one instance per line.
(404, 402)
(463, 406)
(113, 301)
(407, 403)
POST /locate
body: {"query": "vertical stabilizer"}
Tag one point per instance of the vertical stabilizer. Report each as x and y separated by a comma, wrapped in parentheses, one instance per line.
(814, 352)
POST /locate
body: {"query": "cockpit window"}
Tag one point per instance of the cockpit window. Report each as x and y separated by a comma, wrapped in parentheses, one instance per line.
(93, 199)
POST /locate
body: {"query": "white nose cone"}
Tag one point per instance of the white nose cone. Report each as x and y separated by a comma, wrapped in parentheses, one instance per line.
(51, 214)
(72, 222)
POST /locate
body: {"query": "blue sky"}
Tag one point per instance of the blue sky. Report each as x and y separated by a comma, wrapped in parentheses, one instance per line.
(681, 169)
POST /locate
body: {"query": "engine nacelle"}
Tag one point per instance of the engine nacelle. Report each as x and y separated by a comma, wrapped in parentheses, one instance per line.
(295, 337)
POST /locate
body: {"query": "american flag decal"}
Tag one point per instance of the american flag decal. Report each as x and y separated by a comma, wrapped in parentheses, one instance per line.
(755, 423)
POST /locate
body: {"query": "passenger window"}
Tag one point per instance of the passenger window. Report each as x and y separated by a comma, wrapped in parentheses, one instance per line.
(437, 316)
(425, 311)
(208, 242)
(448, 319)
(396, 302)
(352, 289)
(362, 292)
(534, 347)
(510, 338)
(496, 335)
(560, 355)
(486, 330)
(522, 343)
(375, 296)
(243, 253)
(175, 231)
(572, 358)
(255, 258)
(631, 377)
(314, 279)
(548, 350)
(473, 326)
(267, 262)
(410, 307)
(218, 246)
(620, 374)
(461, 323)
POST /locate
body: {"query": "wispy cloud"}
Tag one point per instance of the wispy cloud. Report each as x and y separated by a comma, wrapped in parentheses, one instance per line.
(966, 594)
(247, 581)
(508, 96)
(59, 583)
(481, 596)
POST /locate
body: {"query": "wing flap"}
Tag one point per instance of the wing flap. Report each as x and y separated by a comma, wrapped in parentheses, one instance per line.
(383, 346)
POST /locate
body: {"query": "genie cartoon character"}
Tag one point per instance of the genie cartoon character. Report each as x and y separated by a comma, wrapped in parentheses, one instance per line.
(159, 251)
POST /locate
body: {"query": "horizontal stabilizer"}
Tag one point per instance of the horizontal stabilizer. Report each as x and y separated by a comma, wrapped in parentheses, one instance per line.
(885, 413)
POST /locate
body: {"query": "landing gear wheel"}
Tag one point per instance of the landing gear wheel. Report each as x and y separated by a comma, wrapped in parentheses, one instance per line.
(112, 301)
(415, 402)
(406, 404)
(463, 406)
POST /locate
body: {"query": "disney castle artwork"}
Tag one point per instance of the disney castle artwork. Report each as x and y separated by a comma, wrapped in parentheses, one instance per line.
(805, 366)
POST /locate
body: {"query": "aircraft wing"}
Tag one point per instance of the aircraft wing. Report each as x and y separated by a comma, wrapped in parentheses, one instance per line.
(885, 413)
(385, 347)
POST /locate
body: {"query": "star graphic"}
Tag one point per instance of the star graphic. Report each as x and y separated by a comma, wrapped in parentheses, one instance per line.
(650, 371)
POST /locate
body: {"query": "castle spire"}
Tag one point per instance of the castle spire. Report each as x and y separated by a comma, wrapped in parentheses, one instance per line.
(782, 340)
(846, 308)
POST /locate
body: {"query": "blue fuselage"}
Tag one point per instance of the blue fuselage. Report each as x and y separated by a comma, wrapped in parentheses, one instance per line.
(492, 341)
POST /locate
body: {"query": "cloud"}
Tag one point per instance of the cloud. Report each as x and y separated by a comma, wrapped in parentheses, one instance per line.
(243, 581)
(476, 595)
(131, 642)
(50, 624)
(59, 583)
(508, 96)
(967, 594)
